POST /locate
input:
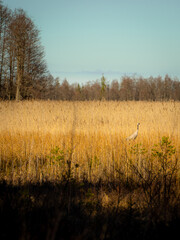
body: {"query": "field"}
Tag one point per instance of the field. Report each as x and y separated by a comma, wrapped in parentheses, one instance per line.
(90, 135)
(79, 151)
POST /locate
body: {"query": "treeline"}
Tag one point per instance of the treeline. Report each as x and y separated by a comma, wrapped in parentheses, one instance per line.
(23, 70)
(129, 88)
(24, 73)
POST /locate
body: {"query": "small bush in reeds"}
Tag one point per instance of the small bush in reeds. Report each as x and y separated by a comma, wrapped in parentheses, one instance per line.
(157, 177)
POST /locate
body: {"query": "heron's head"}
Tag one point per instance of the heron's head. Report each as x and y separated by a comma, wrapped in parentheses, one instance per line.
(138, 124)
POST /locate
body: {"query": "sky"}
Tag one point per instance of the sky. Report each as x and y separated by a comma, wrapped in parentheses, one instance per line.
(84, 39)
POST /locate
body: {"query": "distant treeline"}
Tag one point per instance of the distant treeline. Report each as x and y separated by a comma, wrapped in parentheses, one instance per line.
(24, 73)
(129, 88)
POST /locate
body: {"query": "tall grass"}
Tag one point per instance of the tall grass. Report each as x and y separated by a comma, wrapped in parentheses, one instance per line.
(66, 169)
(90, 137)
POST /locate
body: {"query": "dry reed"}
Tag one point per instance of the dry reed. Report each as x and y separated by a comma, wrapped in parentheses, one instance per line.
(90, 136)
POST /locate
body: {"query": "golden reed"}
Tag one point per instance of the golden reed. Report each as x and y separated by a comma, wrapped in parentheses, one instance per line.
(89, 135)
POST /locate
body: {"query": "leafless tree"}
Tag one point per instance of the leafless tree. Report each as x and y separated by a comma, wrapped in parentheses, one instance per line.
(114, 90)
(29, 54)
(127, 89)
(5, 15)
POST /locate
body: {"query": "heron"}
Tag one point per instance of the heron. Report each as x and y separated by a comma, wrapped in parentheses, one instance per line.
(135, 134)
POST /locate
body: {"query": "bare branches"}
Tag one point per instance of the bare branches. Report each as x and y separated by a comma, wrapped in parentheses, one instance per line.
(22, 62)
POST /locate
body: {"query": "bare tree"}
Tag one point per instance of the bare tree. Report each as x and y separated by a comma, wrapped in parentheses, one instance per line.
(167, 88)
(142, 90)
(114, 90)
(29, 54)
(5, 14)
(127, 89)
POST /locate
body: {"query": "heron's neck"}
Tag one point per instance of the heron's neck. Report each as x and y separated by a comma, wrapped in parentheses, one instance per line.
(137, 127)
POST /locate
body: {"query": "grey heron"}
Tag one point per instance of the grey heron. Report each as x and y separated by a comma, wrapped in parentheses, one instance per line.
(135, 134)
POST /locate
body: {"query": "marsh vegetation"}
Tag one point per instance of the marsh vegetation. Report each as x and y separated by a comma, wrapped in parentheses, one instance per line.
(67, 171)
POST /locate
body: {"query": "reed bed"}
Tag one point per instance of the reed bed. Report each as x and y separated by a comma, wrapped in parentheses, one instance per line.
(50, 140)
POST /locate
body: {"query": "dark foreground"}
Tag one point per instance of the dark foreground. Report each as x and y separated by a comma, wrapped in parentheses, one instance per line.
(74, 210)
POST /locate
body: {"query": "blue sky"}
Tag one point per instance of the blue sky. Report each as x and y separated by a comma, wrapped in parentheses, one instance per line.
(85, 38)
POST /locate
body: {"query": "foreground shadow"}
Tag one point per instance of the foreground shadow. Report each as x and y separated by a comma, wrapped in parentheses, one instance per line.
(77, 210)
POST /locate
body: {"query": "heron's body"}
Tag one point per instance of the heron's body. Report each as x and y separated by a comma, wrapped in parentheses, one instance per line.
(135, 134)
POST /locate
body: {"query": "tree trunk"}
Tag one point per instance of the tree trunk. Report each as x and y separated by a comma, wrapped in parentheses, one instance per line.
(18, 81)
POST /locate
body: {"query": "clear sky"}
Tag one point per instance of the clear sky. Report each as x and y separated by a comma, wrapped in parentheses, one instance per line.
(85, 38)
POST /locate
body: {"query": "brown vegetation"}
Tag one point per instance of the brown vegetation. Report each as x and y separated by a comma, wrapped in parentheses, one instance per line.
(92, 134)
(67, 170)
